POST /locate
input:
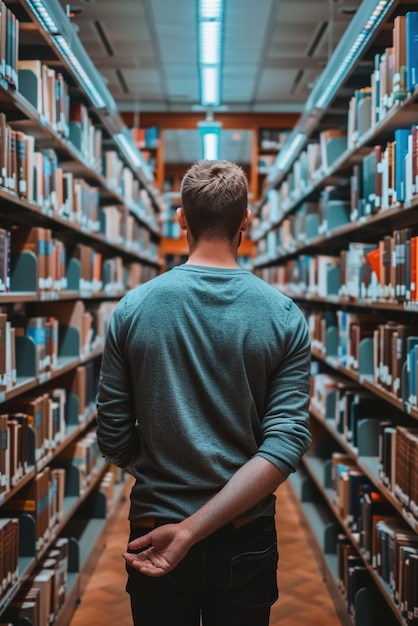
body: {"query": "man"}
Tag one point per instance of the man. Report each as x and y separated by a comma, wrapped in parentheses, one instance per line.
(203, 396)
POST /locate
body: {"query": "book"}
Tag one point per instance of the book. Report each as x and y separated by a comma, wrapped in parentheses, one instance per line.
(373, 508)
(30, 83)
(411, 28)
(33, 498)
(401, 151)
(333, 143)
(400, 46)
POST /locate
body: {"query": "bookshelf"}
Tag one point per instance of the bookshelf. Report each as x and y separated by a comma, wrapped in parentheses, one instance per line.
(148, 140)
(336, 229)
(269, 143)
(79, 226)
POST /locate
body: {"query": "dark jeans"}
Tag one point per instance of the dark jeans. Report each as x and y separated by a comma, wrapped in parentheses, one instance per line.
(228, 579)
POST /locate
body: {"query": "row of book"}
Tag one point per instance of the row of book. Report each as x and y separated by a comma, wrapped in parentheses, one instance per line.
(42, 596)
(384, 352)
(43, 496)
(40, 599)
(336, 207)
(265, 163)
(346, 406)
(386, 177)
(36, 424)
(397, 451)
(33, 346)
(384, 537)
(9, 553)
(398, 566)
(352, 574)
(146, 137)
(383, 272)
(37, 176)
(356, 414)
(48, 92)
(32, 260)
(272, 138)
(9, 45)
(43, 499)
(394, 77)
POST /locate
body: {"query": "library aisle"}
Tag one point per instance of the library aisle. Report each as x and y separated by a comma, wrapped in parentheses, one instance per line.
(304, 597)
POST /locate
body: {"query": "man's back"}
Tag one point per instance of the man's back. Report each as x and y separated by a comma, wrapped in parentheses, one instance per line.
(203, 346)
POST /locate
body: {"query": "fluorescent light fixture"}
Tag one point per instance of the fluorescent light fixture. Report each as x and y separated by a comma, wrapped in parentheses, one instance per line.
(210, 33)
(43, 15)
(287, 154)
(210, 42)
(211, 146)
(131, 152)
(84, 80)
(210, 9)
(210, 79)
(211, 135)
(371, 23)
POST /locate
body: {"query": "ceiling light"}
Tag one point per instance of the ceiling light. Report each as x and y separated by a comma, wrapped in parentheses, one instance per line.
(210, 34)
(210, 9)
(210, 43)
(210, 86)
(210, 132)
(211, 146)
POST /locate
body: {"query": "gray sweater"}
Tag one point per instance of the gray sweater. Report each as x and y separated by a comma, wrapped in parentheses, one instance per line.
(203, 368)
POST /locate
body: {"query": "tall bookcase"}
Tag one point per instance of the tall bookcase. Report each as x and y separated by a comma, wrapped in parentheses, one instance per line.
(79, 225)
(337, 231)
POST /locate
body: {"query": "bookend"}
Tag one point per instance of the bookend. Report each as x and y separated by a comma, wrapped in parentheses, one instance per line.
(328, 474)
(72, 480)
(311, 226)
(73, 274)
(72, 417)
(368, 437)
(368, 609)
(23, 272)
(68, 342)
(333, 280)
(86, 529)
(73, 555)
(25, 357)
(330, 400)
(27, 536)
(365, 357)
(331, 341)
(337, 214)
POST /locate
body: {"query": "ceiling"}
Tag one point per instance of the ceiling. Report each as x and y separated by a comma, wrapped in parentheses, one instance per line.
(147, 52)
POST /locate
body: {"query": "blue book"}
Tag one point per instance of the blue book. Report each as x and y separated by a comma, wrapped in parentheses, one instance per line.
(401, 151)
(411, 50)
(411, 365)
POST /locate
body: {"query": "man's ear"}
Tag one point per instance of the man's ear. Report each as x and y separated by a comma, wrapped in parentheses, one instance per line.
(181, 218)
(245, 220)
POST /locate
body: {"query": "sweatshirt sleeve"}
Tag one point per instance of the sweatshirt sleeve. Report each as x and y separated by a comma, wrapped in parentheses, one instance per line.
(286, 435)
(116, 433)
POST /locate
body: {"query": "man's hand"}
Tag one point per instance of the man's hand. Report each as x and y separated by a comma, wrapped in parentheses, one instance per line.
(160, 550)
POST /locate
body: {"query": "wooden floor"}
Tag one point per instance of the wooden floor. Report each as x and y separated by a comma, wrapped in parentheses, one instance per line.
(304, 598)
